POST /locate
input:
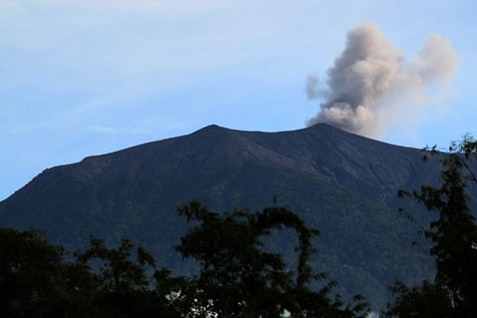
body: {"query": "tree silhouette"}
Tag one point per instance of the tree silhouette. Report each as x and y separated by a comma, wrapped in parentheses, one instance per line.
(454, 238)
(36, 281)
(239, 279)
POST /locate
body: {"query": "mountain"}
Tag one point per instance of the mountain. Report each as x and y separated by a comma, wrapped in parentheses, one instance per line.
(342, 184)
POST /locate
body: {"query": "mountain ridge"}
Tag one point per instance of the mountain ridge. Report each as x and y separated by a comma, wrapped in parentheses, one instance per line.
(344, 185)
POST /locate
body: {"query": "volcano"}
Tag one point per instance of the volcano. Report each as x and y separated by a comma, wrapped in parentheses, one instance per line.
(341, 184)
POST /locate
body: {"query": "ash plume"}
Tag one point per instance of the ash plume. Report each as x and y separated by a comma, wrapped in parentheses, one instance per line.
(371, 87)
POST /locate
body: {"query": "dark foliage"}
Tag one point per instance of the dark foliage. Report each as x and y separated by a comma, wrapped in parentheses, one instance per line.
(428, 300)
(237, 278)
(454, 244)
(35, 281)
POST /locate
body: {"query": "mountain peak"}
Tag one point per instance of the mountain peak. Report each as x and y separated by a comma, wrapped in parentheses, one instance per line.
(212, 127)
(316, 127)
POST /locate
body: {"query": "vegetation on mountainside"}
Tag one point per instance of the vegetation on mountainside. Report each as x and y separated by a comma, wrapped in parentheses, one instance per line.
(241, 275)
(237, 277)
(340, 183)
(453, 235)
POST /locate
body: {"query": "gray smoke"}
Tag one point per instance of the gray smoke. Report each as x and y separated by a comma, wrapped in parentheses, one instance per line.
(371, 87)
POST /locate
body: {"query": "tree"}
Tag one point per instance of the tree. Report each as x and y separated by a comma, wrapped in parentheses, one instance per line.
(429, 300)
(239, 279)
(454, 238)
(123, 286)
(117, 272)
(35, 281)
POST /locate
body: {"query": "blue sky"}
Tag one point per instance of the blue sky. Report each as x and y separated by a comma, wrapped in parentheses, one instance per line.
(80, 78)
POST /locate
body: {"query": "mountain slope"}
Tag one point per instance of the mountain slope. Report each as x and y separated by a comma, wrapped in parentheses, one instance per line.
(344, 185)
